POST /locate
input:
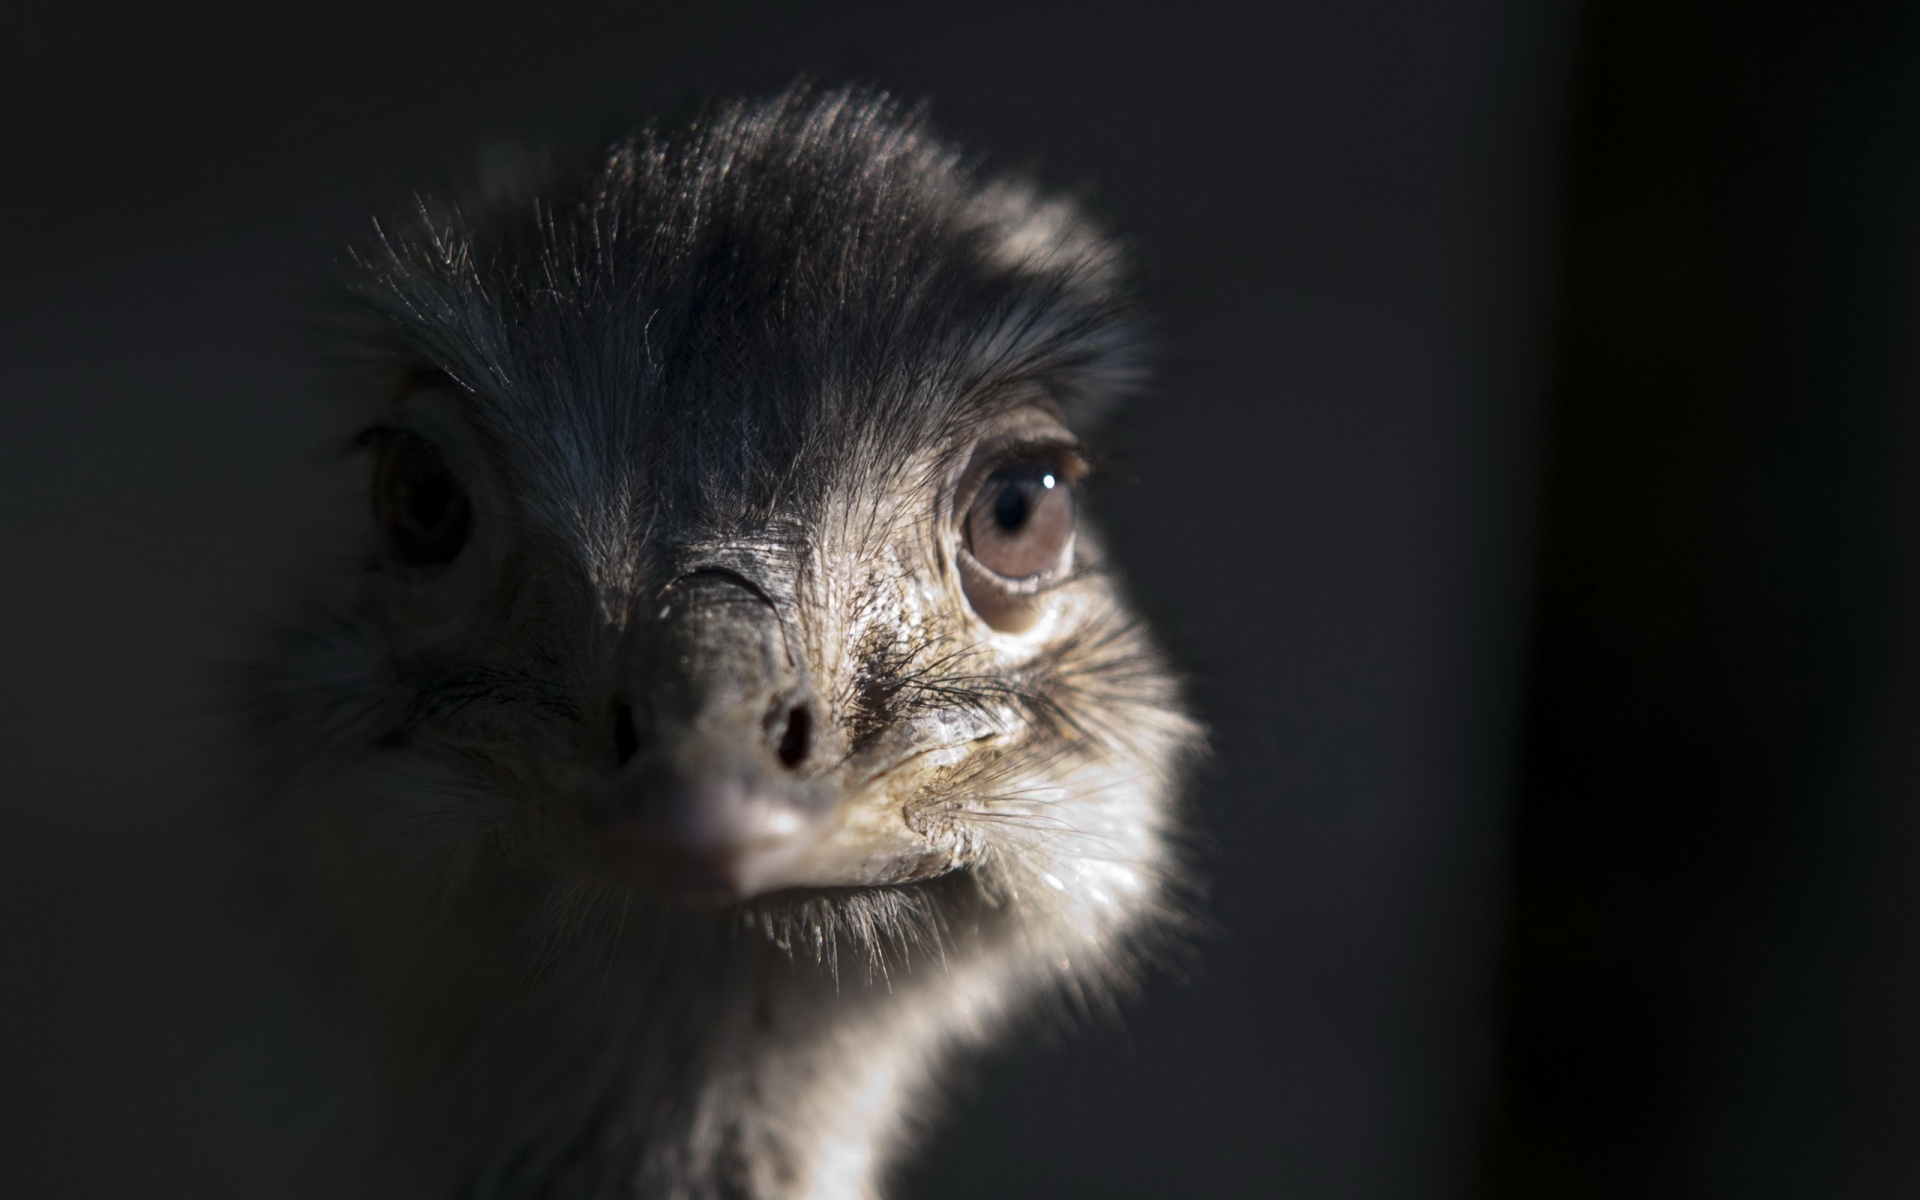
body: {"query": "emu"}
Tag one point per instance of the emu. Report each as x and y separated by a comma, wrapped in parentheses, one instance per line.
(723, 717)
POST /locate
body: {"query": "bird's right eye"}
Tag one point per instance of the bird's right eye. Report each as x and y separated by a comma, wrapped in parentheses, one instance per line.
(422, 509)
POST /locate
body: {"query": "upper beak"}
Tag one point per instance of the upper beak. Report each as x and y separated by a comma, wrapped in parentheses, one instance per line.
(717, 793)
(712, 833)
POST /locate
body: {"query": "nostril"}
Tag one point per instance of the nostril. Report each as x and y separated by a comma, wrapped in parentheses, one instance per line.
(797, 738)
(626, 742)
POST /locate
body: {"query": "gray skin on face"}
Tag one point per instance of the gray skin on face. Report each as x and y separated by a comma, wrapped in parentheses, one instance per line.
(727, 716)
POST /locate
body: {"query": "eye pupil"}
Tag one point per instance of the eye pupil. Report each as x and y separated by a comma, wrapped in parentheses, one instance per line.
(1011, 507)
(428, 501)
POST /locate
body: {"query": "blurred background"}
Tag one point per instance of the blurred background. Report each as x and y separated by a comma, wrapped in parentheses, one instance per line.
(1529, 487)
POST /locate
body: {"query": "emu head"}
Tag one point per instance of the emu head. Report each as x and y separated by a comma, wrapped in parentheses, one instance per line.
(725, 543)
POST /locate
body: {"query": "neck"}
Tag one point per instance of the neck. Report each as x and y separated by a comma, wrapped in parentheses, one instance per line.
(544, 1036)
(632, 1047)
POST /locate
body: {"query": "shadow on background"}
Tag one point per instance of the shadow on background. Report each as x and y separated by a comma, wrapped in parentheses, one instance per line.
(1351, 214)
(1714, 985)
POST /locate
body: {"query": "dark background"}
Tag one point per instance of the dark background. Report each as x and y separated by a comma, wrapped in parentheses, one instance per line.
(1527, 487)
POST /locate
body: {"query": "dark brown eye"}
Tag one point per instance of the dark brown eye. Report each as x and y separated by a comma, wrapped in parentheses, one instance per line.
(1020, 526)
(420, 505)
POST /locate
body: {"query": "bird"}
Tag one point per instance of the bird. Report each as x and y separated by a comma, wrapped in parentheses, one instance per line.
(718, 718)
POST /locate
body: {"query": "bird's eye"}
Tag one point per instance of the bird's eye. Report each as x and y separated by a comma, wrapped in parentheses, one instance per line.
(1016, 537)
(1020, 526)
(422, 509)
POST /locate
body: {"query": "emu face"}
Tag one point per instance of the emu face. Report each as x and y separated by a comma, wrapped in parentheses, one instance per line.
(725, 570)
(770, 649)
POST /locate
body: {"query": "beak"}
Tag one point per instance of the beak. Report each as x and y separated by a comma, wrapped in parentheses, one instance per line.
(724, 829)
(720, 741)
